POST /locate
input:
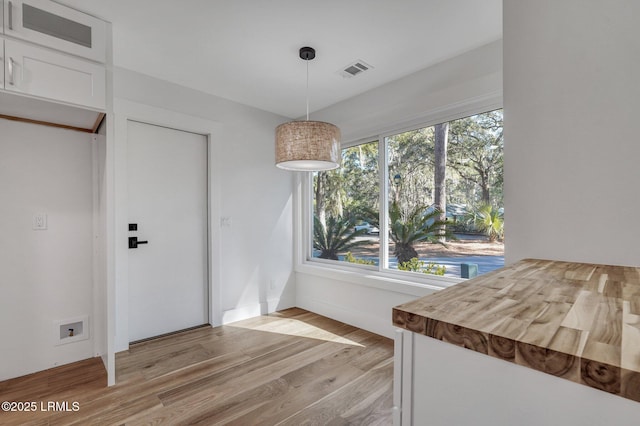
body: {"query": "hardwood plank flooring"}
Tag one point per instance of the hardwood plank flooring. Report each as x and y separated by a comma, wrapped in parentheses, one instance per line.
(293, 367)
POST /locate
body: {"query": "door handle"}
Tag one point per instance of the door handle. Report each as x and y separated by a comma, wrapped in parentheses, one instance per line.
(11, 61)
(11, 16)
(133, 242)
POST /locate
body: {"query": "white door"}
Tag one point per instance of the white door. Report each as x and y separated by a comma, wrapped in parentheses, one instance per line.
(167, 184)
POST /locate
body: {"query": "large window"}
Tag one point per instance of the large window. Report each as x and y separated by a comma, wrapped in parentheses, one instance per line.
(441, 188)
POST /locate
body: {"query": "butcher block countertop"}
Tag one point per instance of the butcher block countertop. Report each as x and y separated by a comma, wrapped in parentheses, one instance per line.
(577, 321)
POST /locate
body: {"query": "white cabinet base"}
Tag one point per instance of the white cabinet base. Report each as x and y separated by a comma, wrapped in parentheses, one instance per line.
(443, 384)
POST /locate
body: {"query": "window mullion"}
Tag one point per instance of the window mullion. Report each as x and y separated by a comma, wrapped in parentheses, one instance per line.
(307, 214)
(383, 173)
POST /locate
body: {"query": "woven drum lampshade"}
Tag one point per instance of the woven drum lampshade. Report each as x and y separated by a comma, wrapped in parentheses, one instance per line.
(307, 146)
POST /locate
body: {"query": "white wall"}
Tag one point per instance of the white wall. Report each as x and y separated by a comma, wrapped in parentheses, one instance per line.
(254, 255)
(571, 101)
(45, 275)
(461, 86)
(362, 302)
(431, 94)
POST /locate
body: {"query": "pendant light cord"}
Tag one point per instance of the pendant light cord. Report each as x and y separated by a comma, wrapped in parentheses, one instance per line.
(307, 61)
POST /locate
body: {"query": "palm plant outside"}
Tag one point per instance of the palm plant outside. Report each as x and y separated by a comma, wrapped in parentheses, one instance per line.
(414, 226)
(488, 220)
(338, 235)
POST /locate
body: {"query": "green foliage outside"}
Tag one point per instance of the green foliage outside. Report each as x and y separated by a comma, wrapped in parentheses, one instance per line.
(336, 236)
(417, 265)
(350, 189)
(413, 226)
(488, 220)
(351, 259)
(475, 162)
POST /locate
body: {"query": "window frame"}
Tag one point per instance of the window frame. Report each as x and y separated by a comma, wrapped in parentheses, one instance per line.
(380, 276)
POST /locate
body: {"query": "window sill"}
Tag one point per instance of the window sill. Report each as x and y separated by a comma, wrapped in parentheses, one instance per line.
(388, 280)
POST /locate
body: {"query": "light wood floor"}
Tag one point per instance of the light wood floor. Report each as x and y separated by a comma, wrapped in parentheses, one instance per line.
(289, 368)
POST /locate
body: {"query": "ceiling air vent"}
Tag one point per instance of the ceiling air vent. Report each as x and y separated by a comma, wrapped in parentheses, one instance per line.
(355, 68)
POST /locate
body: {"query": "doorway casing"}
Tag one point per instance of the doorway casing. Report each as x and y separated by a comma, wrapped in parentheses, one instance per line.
(117, 222)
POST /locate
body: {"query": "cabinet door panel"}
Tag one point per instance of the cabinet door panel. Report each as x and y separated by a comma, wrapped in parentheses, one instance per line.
(53, 25)
(40, 72)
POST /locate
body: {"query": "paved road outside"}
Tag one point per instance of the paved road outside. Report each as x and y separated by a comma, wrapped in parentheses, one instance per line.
(485, 263)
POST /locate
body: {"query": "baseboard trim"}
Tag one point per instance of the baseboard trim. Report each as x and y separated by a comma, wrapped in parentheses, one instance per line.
(357, 318)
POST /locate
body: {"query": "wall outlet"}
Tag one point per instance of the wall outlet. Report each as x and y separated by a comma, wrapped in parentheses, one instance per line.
(40, 221)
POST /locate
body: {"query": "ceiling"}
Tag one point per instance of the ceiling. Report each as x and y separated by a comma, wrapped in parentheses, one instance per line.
(247, 50)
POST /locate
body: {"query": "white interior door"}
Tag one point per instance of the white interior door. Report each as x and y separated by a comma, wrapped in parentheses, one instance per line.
(167, 184)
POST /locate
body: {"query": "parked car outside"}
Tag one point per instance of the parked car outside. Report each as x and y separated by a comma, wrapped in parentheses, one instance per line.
(368, 227)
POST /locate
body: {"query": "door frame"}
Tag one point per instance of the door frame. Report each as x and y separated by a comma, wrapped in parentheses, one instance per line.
(118, 287)
(207, 225)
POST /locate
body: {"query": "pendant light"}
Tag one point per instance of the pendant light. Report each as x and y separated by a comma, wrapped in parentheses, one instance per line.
(307, 145)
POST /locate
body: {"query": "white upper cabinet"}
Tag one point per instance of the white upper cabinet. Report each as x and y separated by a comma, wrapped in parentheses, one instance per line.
(37, 71)
(59, 27)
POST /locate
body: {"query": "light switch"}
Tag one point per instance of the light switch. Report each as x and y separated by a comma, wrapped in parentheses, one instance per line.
(40, 221)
